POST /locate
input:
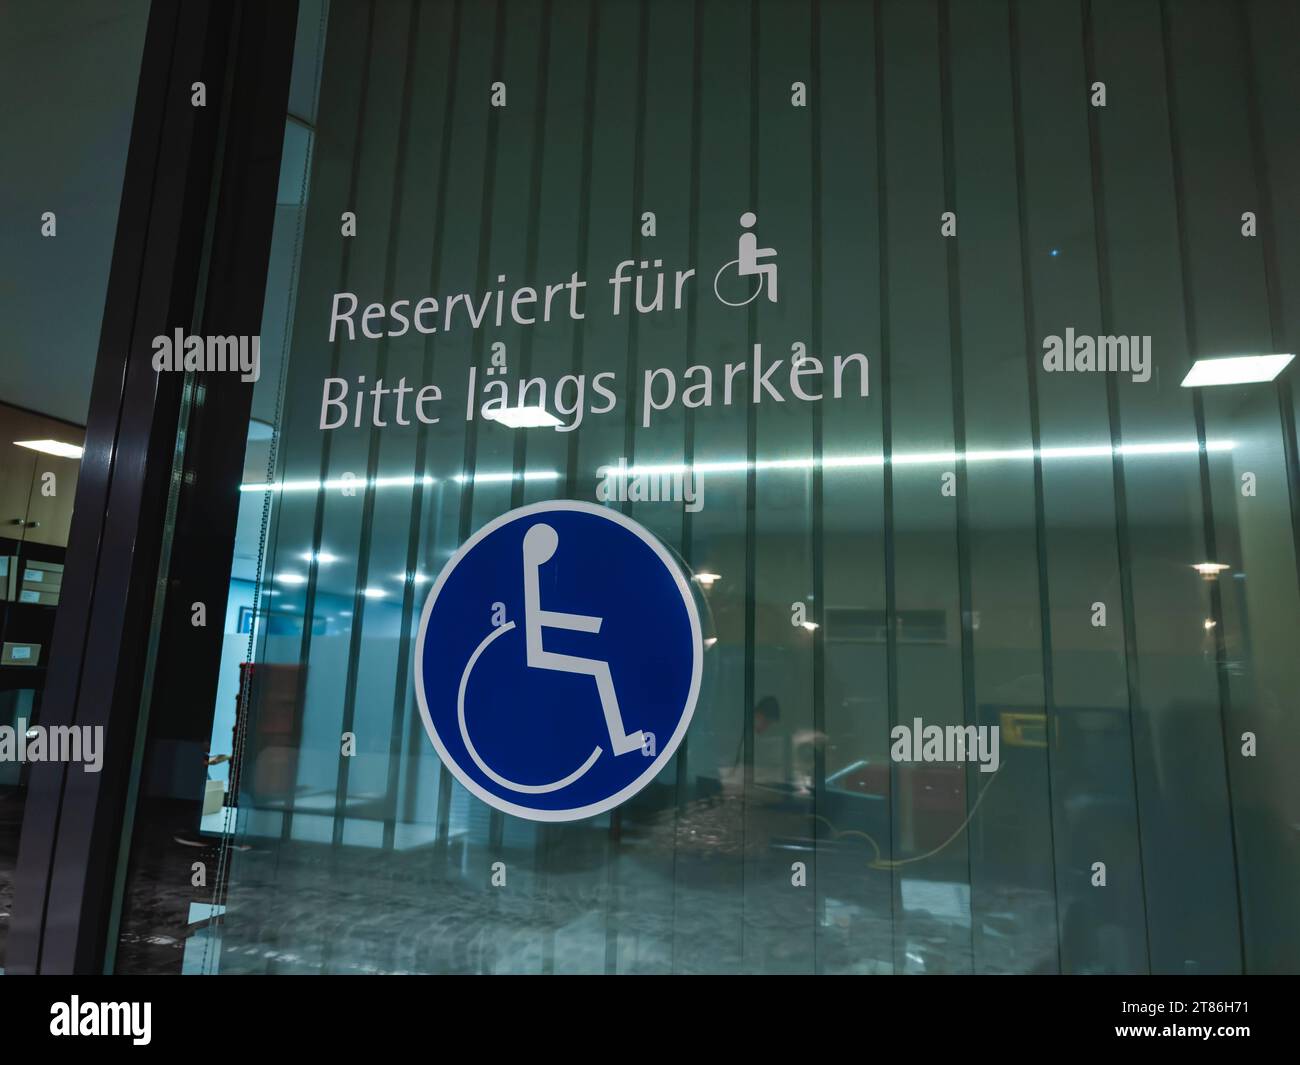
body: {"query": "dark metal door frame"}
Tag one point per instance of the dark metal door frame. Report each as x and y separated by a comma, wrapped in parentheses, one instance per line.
(191, 251)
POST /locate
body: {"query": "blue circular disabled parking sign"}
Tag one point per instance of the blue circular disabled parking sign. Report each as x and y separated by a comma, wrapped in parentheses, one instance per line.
(558, 660)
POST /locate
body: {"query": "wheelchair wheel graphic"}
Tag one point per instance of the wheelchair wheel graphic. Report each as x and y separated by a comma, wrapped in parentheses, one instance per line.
(488, 771)
(759, 282)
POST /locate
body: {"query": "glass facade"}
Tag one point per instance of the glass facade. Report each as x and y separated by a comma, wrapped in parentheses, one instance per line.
(918, 520)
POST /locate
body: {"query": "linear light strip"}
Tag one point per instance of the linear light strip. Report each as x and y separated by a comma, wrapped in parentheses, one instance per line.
(828, 462)
(390, 482)
(939, 458)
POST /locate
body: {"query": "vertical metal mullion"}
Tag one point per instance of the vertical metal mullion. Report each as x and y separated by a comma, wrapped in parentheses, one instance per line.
(428, 362)
(583, 243)
(1123, 552)
(688, 441)
(542, 829)
(751, 498)
(531, 239)
(638, 198)
(372, 470)
(496, 819)
(887, 467)
(469, 457)
(629, 429)
(582, 252)
(1036, 443)
(818, 483)
(318, 517)
(957, 370)
(1203, 458)
(415, 524)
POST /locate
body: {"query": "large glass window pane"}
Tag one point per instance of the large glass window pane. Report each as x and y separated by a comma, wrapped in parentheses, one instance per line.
(1081, 580)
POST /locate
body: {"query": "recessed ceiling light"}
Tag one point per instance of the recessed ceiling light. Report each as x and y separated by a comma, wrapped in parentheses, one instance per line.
(1236, 370)
(522, 417)
(53, 447)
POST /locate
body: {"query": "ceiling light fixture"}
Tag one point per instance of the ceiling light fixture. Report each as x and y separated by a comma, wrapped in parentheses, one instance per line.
(1235, 370)
(53, 447)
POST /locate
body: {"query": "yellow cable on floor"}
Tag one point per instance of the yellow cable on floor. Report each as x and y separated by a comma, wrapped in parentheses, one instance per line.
(878, 863)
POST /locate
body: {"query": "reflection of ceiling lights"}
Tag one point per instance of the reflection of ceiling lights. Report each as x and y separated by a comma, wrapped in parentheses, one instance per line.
(492, 478)
(324, 558)
(809, 625)
(1209, 624)
(52, 447)
(1209, 570)
(336, 482)
(709, 641)
(708, 579)
(374, 593)
(291, 578)
(522, 417)
(1237, 370)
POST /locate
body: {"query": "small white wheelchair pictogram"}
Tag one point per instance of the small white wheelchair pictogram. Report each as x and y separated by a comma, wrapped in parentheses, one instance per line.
(747, 264)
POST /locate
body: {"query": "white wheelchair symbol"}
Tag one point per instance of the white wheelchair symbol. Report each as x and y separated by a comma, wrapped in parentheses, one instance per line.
(748, 254)
(540, 543)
